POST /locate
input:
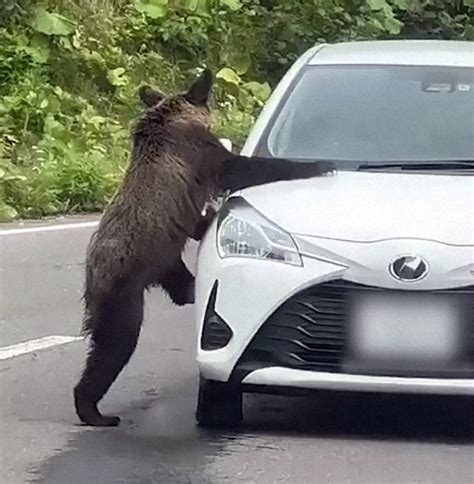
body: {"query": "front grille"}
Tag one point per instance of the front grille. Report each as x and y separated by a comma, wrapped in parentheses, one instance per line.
(310, 332)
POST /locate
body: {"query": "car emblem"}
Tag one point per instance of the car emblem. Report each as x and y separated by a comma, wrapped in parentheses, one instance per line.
(409, 268)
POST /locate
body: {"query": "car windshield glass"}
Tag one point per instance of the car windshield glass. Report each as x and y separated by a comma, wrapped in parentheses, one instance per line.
(376, 114)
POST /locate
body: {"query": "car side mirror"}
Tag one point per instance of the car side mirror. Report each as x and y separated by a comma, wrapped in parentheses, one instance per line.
(226, 143)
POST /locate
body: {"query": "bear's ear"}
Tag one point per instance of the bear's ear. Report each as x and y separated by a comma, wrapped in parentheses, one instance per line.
(149, 96)
(199, 92)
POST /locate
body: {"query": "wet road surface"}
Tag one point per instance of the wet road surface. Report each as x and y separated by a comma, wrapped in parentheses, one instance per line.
(337, 438)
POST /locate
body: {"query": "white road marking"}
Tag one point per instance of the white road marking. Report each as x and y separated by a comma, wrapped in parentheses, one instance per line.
(49, 228)
(35, 345)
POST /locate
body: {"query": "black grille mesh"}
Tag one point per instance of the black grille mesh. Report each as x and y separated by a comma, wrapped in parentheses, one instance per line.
(306, 332)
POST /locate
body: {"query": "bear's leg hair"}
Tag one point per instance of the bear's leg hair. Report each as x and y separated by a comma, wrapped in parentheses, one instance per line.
(113, 324)
(178, 282)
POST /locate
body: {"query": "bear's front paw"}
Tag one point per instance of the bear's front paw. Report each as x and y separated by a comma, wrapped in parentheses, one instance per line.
(326, 167)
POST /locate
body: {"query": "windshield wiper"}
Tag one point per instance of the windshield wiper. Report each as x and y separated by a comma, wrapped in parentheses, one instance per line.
(440, 165)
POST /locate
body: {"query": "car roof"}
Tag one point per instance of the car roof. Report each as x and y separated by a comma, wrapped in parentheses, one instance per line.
(396, 52)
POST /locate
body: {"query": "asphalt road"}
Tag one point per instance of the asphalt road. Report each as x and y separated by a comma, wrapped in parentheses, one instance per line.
(352, 439)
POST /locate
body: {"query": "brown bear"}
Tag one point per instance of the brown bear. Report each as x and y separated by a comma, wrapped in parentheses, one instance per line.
(176, 165)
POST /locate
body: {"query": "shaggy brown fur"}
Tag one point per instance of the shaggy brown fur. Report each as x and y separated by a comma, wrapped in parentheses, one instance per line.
(176, 166)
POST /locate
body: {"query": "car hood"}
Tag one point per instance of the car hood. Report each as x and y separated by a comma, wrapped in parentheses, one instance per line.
(368, 206)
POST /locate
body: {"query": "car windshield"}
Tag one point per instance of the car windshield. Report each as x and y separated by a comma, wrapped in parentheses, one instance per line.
(377, 114)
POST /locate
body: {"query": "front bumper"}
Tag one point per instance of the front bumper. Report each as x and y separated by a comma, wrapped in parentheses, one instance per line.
(254, 298)
(318, 380)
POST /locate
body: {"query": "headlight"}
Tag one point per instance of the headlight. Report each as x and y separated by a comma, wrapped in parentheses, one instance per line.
(244, 232)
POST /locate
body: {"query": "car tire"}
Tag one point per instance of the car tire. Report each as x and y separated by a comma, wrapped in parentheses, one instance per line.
(219, 404)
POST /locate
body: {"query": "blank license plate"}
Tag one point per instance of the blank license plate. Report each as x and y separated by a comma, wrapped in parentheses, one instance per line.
(406, 326)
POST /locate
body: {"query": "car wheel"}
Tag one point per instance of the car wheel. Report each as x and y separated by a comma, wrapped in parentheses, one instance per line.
(219, 404)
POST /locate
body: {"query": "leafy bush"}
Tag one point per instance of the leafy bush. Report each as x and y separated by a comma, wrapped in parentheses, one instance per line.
(70, 71)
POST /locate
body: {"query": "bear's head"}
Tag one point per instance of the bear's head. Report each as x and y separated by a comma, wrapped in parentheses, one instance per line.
(191, 105)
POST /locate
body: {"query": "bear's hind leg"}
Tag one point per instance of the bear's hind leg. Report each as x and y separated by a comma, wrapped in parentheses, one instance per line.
(114, 326)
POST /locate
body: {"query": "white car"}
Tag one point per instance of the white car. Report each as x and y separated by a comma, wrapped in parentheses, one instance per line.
(362, 280)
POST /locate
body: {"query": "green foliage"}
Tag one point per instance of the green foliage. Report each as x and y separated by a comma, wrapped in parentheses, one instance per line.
(152, 8)
(70, 71)
(436, 18)
(51, 23)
